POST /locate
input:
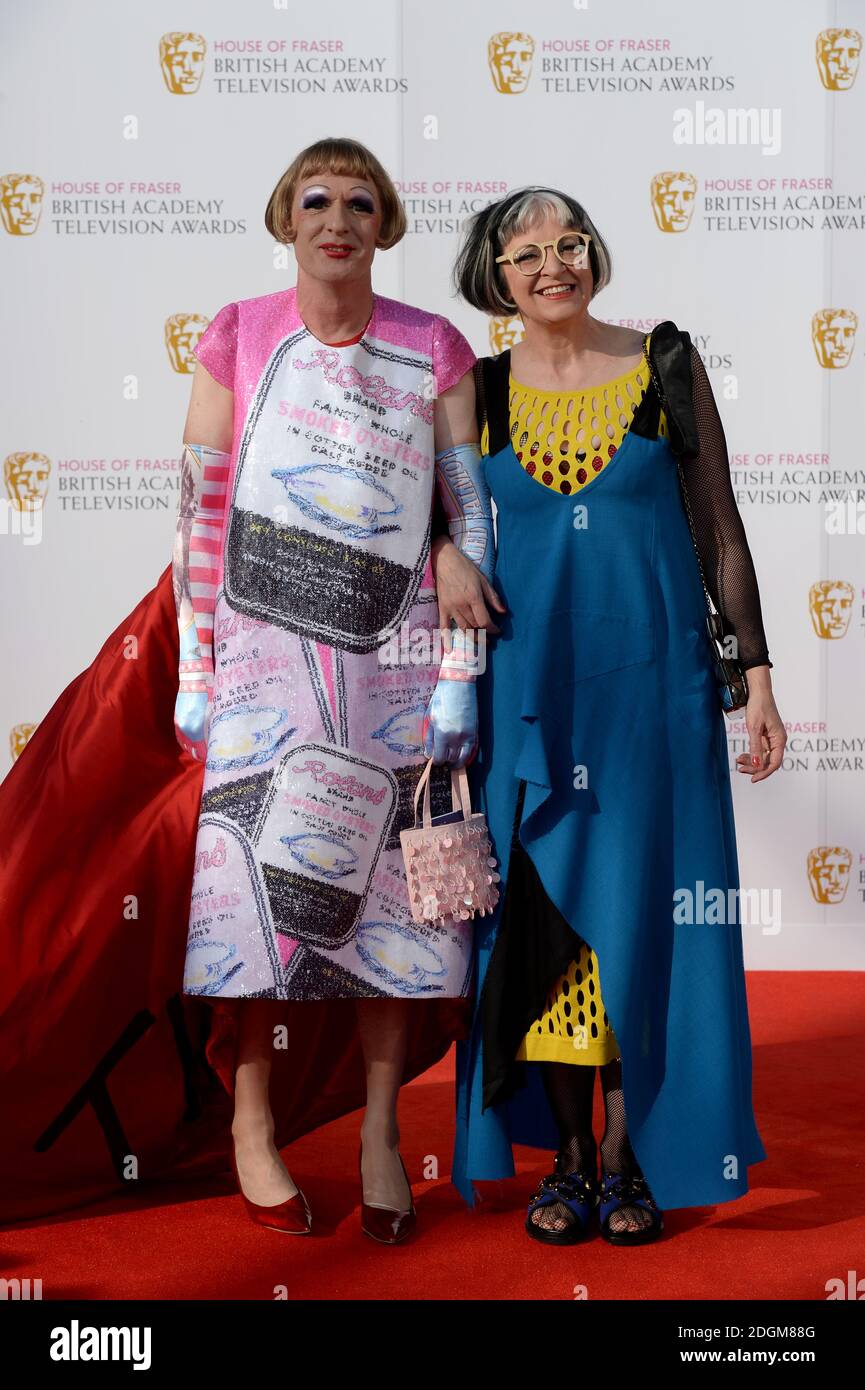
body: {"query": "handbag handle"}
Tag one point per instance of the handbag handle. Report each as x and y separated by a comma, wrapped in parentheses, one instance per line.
(460, 795)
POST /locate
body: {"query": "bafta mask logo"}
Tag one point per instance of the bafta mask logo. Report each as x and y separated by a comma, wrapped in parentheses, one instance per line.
(830, 602)
(18, 739)
(182, 332)
(833, 333)
(829, 872)
(510, 59)
(21, 203)
(838, 58)
(505, 333)
(181, 57)
(26, 478)
(673, 197)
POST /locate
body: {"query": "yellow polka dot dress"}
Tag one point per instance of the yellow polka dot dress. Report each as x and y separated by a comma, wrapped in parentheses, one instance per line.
(574, 1026)
(563, 439)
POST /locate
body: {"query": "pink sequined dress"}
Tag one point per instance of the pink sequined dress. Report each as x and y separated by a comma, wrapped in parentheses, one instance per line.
(323, 661)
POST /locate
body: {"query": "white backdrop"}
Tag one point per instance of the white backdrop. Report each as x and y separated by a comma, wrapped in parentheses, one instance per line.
(753, 242)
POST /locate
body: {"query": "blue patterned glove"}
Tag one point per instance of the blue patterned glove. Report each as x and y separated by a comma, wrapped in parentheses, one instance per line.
(450, 726)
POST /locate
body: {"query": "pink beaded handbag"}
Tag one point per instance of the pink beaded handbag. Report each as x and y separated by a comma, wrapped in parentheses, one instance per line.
(450, 868)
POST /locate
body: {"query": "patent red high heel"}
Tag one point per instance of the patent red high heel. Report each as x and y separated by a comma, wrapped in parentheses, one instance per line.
(293, 1217)
(385, 1224)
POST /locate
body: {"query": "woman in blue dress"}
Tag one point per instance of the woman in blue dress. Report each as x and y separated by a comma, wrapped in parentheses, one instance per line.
(602, 762)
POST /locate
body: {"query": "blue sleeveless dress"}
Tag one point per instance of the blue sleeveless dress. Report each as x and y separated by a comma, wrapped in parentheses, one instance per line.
(603, 663)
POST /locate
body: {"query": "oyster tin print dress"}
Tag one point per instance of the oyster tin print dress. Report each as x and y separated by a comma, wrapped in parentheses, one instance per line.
(314, 744)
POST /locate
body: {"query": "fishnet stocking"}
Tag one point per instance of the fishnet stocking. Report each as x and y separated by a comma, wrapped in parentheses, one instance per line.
(617, 1156)
(570, 1088)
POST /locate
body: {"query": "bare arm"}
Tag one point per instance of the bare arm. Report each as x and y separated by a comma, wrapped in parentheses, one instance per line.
(455, 421)
(210, 418)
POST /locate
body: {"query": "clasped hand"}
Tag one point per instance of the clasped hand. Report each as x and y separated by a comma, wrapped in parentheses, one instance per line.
(450, 725)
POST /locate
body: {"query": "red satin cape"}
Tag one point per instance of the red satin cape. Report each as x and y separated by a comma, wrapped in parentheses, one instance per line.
(109, 1075)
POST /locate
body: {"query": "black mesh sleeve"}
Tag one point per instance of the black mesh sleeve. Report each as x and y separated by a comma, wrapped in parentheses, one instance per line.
(718, 527)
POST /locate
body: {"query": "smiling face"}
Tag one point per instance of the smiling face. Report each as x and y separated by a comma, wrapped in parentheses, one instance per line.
(337, 218)
(557, 292)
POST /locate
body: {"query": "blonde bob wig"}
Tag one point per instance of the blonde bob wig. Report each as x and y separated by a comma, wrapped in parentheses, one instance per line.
(336, 156)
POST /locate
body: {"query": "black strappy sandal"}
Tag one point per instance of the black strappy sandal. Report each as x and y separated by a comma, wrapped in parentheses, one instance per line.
(619, 1190)
(578, 1192)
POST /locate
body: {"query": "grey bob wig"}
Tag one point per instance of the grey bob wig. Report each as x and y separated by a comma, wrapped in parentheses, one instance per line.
(477, 277)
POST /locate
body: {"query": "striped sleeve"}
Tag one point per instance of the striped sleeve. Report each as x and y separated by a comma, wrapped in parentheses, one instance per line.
(205, 541)
(197, 551)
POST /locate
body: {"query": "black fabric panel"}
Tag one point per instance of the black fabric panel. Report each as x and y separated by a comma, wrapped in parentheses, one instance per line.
(534, 946)
(480, 395)
(496, 372)
(647, 417)
(439, 517)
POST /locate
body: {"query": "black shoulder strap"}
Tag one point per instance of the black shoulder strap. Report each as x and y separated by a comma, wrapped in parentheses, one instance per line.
(493, 398)
(670, 357)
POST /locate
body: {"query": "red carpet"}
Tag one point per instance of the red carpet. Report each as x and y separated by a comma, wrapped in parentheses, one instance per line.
(800, 1225)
